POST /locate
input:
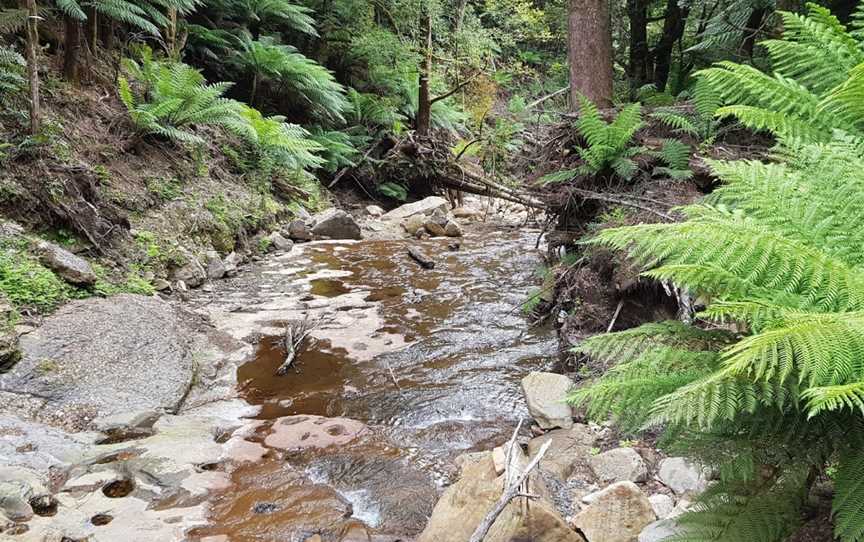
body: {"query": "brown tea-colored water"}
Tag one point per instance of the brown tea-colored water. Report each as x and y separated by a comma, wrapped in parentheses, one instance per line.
(430, 360)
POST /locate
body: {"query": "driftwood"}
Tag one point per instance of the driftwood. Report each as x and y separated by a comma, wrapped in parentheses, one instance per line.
(420, 257)
(512, 491)
(293, 341)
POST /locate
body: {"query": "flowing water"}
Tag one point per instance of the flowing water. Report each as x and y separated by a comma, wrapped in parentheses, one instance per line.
(429, 360)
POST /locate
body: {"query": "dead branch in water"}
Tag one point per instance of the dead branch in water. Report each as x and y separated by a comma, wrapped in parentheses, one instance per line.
(293, 341)
(510, 493)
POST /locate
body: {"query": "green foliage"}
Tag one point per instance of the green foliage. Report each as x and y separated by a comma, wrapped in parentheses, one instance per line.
(146, 15)
(675, 154)
(817, 86)
(28, 284)
(170, 99)
(608, 145)
(278, 144)
(393, 190)
(11, 71)
(775, 250)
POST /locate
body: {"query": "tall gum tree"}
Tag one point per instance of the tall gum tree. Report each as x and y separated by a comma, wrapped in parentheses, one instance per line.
(589, 51)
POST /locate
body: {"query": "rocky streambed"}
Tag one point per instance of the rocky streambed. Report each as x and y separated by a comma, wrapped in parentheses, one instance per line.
(148, 419)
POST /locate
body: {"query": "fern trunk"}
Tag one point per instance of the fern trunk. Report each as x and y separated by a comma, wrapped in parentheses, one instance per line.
(72, 47)
(590, 52)
(32, 33)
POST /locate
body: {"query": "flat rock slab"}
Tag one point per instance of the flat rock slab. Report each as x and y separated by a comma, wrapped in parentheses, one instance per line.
(619, 465)
(99, 357)
(304, 432)
(425, 206)
(616, 514)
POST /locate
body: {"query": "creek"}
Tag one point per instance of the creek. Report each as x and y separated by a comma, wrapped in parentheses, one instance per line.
(429, 360)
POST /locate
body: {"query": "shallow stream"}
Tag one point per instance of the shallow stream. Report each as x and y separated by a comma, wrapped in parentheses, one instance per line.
(429, 360)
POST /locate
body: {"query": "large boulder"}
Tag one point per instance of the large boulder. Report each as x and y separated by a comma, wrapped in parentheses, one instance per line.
(276, 242)
(545, 394)
(425, 206)
(682, 476)
(467, 502)
(616, 514)
(68, 266)
(192, 273)
(215, 266)
(336, 224)
(663, 505)
(299, 230)
(619, 465)
(104, 356)
(569, 448)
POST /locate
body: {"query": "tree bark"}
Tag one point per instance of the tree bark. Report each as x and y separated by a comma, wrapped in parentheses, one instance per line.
(751, 31)
(171, 33)
(590, 52)
(673, 29)
(93, 30)
(32, 32)
(637, 12)
(72, 47)
(423, 122)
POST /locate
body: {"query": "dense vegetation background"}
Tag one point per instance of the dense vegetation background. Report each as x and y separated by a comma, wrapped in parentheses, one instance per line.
(226, 114)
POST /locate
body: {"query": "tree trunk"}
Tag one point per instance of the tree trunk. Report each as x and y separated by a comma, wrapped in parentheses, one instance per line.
(673, 29)
(637, 11)
(32, 32)
(461, 5)
(171, 33)
(93, 30)
(423, 122)
(590, 52)
(72, 48)
(751, 31)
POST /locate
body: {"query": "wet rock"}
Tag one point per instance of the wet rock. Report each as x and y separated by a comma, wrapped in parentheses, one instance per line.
(663, 505)
(619, 465)
(659, 531)
(298, 230)
(264, 508)
(303, 432)
(374, 211)
(569, 448)
(192, 274)
(180, 286)
(453, 229)
(435, 229)
(413, 224)
(160, 285)
(682, 476)
(336, 224)
(425, 261)
(425, 206)
(279, 243)
(14, 501)
(231, 262)
(616, 514)
(215, 267)
(134, 419)
(47, 448)
(545, 394)
(105, 356)
(68, 266)
(464, 505)
(22, 493)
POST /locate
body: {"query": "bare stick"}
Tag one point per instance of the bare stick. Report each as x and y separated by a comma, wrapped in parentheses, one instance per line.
(292, 341)
(615, 316)
(509, 494)
(539, 101)
(509, 456)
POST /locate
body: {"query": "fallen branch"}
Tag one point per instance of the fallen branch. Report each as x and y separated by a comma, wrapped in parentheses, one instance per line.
(292, 341)
(510, 493)
(587, 194)
(539, 101)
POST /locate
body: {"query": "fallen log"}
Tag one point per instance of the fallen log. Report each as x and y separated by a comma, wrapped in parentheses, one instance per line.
(420, 257)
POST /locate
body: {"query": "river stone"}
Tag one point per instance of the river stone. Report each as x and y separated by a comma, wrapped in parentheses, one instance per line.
(682, 476)
(105, 356)
(452, 229)
(663, 505)
(618, 465)
(68, 266)
(215, 268)
(464, 505)
(616, 514)
(425, 206)
(191, 274)
(413, 224)
(545, 394)
(231, 262)
(336, 224)
(277, 242)
(303, 432)
(435, 229)
(298, 230)
(569, 448)
(465, 212)
(374, 211)
(659, 531)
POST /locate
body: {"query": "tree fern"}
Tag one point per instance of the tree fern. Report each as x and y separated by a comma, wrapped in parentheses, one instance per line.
(816, 88)
(776, 250)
